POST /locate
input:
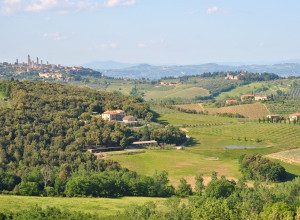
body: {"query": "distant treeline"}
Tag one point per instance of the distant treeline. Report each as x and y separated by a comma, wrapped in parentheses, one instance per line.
(242, 75)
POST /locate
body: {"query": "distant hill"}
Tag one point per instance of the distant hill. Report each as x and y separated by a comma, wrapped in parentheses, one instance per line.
(103, 65)
(156, 72)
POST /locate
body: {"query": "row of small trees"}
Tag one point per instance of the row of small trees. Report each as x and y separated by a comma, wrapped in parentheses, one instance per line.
(279, 120)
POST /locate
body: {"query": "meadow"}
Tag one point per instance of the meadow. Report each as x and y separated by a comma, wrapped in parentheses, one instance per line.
(100, 206)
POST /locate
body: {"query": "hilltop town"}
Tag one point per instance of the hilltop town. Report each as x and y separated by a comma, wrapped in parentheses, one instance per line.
(39, 69)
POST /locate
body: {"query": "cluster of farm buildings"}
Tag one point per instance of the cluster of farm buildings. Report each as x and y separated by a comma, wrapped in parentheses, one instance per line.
(248, 96)
(292, 117)
(118, 116)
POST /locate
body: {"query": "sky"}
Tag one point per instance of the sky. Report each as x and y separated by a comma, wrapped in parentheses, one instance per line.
(75, 32)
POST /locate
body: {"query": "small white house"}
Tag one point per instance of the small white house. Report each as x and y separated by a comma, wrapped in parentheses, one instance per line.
(294, 117)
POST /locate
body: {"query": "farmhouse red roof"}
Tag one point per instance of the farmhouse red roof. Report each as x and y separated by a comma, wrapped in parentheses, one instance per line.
(247, 95)
(231, 100)
(295, 114)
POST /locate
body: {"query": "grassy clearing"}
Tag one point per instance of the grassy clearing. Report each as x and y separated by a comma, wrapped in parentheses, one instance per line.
(256, 110)
(4, 103)
(100, 206)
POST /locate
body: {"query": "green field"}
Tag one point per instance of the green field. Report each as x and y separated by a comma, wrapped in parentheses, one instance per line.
(206, 151)
(100, 206)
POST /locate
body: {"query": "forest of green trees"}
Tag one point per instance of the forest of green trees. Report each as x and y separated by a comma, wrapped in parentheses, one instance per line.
(43, 139)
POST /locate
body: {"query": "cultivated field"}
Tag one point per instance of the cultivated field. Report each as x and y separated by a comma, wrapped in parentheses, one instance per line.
(180, 91)
(209, 136)
(289, 156)
(286, 107)
(256, 110)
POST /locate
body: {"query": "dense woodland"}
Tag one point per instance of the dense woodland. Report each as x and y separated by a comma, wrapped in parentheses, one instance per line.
(46, 129)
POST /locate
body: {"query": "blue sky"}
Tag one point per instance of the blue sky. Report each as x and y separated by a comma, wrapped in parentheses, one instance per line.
(150, 31)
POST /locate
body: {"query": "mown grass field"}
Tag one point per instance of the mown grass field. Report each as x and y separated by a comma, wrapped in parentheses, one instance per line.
(100, 206)
(206, 152)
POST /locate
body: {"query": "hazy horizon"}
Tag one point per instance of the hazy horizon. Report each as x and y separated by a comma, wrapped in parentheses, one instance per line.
(73, 32)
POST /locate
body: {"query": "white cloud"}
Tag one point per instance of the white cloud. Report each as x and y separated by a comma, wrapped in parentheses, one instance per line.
(110, 45)
(41, 5)
(214, 10)
(142, 45)
(10, 7)
(117, 3)
(55, 36)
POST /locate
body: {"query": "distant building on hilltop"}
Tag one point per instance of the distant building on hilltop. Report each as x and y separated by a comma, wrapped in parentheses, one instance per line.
(260, 97)
(246, 96)
(231, 77)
